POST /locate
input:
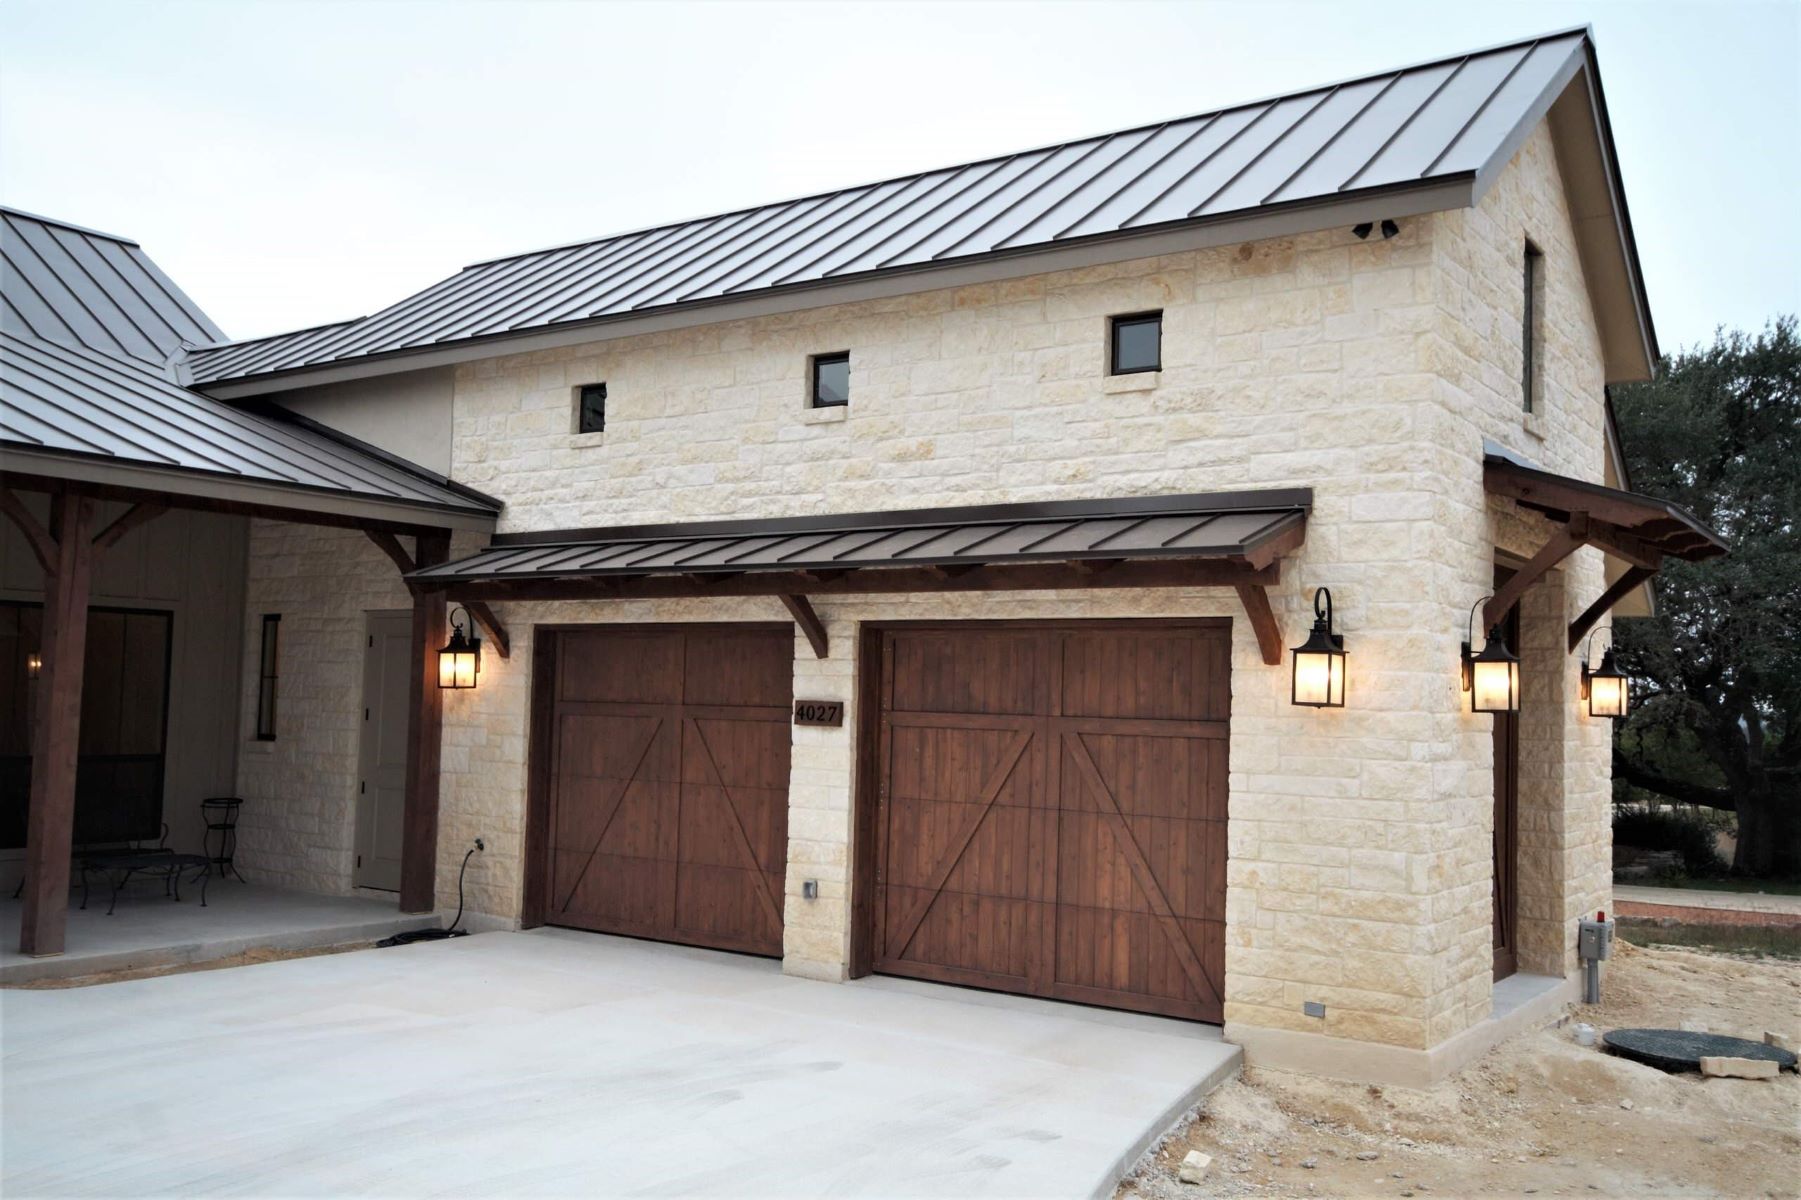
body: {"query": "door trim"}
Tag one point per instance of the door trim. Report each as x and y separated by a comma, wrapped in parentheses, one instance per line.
(361, 813)
(873, 671)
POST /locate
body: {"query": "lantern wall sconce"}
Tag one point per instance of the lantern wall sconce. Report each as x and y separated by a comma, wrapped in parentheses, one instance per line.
(34, 665)
(1492, 678)
(1319, 662)
(460, 661)
(1606, 688)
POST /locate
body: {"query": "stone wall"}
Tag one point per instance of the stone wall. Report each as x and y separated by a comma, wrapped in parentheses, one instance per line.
(1359, 869)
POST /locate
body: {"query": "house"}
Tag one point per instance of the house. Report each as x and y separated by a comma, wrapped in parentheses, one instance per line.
(908, 578)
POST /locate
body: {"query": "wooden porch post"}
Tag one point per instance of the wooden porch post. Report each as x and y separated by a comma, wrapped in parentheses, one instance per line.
(50, 825)
(425, 738)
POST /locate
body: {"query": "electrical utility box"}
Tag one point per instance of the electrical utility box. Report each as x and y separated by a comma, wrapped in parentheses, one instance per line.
(1594, 939)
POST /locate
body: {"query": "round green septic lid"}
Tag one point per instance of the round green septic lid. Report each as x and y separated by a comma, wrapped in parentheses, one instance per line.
(1683, 1050)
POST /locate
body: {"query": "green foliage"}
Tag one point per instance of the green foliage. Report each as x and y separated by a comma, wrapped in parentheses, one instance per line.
(1665, 829)
(1719, 720)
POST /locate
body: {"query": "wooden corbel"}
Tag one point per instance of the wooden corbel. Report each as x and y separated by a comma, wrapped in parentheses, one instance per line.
(37, 536)
(1620, 589)
(1565, 542)
(1255, 598)
(390, 545)
(138, 514)
(497, 633)
(802, 611)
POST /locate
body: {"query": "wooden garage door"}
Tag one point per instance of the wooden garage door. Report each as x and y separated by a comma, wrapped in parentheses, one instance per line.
(1052, 811)
(669, 783)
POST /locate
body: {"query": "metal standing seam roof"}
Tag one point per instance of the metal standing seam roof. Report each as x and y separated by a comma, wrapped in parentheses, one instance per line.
(1219, 526)
(80, 287)
(71, 402)
(1404, 129)
(1662, 525)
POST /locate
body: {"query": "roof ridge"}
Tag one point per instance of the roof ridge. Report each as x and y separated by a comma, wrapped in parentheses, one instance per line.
(10, 211)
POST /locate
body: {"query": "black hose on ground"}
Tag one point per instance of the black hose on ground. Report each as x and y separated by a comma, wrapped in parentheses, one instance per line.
(410, 936)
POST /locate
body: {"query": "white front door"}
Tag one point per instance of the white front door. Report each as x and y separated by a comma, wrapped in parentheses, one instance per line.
(381, 793)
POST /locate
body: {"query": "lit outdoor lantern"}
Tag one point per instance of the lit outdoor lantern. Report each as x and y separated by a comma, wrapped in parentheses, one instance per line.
(460, 661)
(34, 665)
(1607, 689)
(1492, 678)
(1319, 664)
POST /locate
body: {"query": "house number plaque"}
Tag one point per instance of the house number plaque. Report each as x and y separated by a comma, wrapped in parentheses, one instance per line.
(819, 712)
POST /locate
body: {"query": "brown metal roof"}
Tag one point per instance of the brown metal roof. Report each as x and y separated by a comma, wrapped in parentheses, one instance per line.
(1245, 527)
(1449, 124)
(1657, 525)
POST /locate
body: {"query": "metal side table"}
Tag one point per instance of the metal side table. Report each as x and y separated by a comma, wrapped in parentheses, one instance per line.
(220, 841)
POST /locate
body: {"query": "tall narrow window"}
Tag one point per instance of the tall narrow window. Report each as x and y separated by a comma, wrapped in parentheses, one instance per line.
(267, 673)
(1531, 331)
(591, 408)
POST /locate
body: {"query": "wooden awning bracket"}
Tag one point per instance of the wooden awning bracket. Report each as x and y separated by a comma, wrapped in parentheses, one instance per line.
(37, 536)
(497, 633)
(801, 609)
(138, 514)
(1255, 598)
(390, 545)
(1619, 590)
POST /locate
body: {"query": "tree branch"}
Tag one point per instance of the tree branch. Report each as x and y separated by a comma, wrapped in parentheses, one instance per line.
(1675, 789)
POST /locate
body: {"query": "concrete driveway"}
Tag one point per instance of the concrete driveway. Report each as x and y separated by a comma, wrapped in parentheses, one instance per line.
(558, 1063)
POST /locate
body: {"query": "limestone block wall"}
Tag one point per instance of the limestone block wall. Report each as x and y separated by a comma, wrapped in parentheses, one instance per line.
(1565, 831)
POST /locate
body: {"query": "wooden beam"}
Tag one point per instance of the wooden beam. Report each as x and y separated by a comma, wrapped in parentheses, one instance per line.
(425, 741)
(43, 546)
(1624, 545)
(55, 739)
(390, 545)
(138, 514)
(1263, 622)
(1565, 542)
(802, 611)
(1268, 552)
(1615, 592)
(876, 581)
(497, 633)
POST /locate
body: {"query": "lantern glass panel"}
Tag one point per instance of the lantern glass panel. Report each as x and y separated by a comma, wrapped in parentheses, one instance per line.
(465, 668)
(447, 669)
(1319, 678)
(1607, 696)
(1494, 686)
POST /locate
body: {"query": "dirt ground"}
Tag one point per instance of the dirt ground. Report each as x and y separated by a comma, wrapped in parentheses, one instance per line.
(1538, 1115)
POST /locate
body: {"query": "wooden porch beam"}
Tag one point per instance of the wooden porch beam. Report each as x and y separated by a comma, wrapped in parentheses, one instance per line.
(425, 740)
(1616, 592)
(1624, 545)
(497, 633)
(50, 820)
(1263, 622)
(138, 514)
(801, 609)
(390, 545)
(43, 546)
(1565, 542)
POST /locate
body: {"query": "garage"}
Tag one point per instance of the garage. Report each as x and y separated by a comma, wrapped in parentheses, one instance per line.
(1050, 810)
(667, 782)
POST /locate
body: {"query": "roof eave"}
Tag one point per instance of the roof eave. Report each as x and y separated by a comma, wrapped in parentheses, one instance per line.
(24, 462)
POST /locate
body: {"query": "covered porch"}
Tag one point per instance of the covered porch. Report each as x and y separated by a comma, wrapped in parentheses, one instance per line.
(84, 492)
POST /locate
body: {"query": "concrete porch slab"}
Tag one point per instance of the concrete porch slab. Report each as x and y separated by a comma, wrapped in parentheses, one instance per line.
(149, 930)
(561, 1063)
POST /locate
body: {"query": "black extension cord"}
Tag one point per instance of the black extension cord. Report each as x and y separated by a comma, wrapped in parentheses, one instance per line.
(437, 935)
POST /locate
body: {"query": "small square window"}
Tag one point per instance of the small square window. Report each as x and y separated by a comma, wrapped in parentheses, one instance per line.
(591, 408)
(831, 380)
(1137, 343)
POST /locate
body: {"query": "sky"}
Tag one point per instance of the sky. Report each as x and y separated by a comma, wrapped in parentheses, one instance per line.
(291, 162)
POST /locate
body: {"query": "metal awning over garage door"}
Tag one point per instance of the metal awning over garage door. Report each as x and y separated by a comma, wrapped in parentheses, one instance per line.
(1220, 539)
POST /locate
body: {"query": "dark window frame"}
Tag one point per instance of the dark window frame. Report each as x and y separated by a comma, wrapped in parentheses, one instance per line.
(1531, 326)
(1127, 320)
(268, 674)
(813, 365)
(581, 406)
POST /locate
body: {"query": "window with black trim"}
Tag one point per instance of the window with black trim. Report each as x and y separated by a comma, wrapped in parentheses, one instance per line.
(268, 670)
(1531, 329)
(1136, 343)
(831, 380)
(591, 408)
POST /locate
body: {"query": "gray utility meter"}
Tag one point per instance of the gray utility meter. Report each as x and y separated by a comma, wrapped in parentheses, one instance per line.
(1594, 945)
